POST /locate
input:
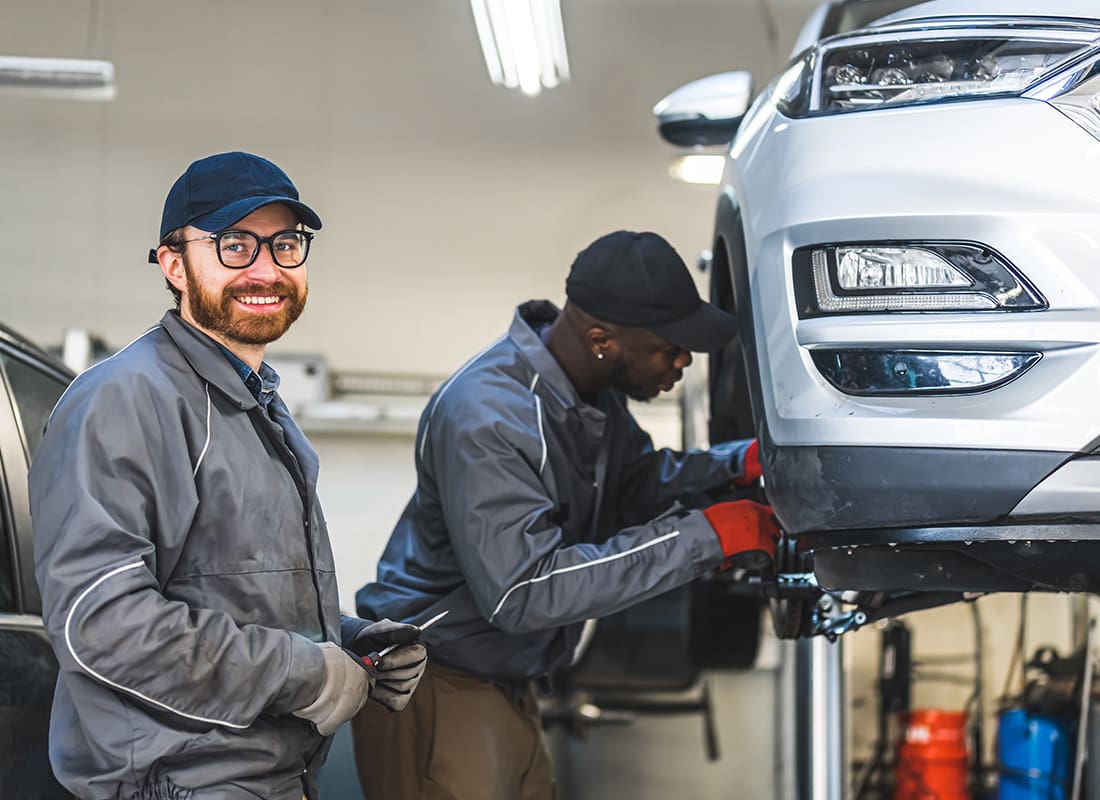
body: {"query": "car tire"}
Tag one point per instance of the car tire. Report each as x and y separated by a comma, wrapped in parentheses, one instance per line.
(730, 404)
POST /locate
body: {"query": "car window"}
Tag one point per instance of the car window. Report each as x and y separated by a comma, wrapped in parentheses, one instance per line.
(35, 393)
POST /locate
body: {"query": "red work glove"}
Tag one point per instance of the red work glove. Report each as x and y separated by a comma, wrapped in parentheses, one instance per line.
(747, 532)
(750, 466)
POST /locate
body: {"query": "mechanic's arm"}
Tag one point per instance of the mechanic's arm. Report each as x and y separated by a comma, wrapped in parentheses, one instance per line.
(522, 575)
(652, 480)
(112, 491)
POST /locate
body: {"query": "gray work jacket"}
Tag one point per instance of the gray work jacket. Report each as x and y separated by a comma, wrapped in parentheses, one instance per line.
(534, 511)
(186, 574)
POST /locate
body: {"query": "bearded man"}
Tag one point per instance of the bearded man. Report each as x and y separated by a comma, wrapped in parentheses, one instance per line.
(187, 578)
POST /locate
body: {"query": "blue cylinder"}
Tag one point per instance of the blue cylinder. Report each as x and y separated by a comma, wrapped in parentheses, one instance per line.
(1035, 755)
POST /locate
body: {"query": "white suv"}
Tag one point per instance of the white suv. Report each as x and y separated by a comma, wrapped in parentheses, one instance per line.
(908, 228)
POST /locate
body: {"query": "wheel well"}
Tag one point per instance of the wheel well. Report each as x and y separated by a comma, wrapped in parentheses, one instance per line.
(721, 286)
(730, 405)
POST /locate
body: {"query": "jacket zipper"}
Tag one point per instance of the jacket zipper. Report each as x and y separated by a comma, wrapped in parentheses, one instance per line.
(291, 463)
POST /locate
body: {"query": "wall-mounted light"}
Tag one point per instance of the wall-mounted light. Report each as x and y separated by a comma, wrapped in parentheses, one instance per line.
(698, 168)
(523, 42)
(62, 78)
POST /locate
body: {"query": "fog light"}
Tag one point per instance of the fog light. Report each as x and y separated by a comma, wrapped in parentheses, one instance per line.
(892, 268)
(897, 372)
(878, 277)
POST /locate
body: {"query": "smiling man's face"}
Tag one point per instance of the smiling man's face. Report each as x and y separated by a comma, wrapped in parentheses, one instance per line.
(252, 306)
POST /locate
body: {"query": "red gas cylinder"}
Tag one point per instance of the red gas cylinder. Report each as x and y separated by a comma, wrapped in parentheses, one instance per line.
(932, 759)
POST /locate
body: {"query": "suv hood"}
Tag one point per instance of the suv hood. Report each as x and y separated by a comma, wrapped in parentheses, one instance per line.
(1084, 10)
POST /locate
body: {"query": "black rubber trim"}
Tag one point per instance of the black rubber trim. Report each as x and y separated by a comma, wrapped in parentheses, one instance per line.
(973, 565)
(1054, 532)
(817, 489)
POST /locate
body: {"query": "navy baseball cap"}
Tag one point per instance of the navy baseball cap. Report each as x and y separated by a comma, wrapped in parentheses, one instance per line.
(218, 190)
(639, 280)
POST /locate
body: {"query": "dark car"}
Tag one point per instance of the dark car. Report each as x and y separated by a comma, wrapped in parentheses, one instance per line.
(31, 381)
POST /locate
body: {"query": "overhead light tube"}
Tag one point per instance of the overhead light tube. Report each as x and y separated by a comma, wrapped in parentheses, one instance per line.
(489, 47)
(519, 18)
(552, 54)
(64, 78)
(523, 43)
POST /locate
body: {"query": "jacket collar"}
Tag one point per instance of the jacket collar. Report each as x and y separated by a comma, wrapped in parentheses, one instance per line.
(533, 315)
(206, 359)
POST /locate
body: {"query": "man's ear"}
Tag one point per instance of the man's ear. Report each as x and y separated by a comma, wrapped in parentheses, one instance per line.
(171, 264)
(601, 342)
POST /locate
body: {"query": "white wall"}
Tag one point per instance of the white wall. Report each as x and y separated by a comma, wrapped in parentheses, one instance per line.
(446, 200)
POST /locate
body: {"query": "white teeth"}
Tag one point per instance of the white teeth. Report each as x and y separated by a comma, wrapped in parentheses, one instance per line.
(259, 300)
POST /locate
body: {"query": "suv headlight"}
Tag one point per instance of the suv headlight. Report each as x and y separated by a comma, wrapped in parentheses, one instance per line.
(1076, 93)
(905, 67)
(907, 276)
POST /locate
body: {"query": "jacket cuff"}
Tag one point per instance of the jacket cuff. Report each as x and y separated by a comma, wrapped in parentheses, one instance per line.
(305, 677)
(706, 548)
(733, 455)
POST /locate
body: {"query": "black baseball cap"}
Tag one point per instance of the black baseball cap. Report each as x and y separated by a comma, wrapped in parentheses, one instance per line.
(639, 280)
(216, 191)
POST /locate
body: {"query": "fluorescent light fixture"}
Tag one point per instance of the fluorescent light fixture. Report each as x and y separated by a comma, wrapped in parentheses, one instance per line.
(64, 78)
(698, 168)
(523, 43)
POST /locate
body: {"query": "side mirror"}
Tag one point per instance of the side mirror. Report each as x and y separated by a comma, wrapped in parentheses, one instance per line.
(706, 111)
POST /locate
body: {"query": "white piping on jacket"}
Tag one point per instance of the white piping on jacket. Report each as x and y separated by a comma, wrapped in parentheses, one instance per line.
(202, 455)
(575, 567)
(447, 385)
(98, 363)
(108, 681)
(542, 436)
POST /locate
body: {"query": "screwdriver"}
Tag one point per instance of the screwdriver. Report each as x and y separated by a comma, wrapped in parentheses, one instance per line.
(373, 660)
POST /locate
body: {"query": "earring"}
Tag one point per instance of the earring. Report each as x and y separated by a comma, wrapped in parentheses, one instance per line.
(599, 355)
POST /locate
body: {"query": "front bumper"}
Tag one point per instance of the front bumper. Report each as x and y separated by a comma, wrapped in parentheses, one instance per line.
(1015, 175)
(839, 488)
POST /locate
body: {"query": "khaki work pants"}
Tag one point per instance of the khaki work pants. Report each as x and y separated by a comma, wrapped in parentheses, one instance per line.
(460, 738)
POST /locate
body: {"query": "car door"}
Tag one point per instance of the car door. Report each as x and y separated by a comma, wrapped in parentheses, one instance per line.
(29, 388)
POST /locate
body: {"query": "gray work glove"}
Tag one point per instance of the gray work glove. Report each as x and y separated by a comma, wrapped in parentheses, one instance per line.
(346, 687)
(364, 636)
(397, 673)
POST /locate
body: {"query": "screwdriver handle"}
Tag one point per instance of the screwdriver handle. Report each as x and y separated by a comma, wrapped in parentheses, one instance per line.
(372, 659)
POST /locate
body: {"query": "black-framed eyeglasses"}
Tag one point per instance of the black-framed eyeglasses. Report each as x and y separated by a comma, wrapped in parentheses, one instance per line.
(238, 249)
